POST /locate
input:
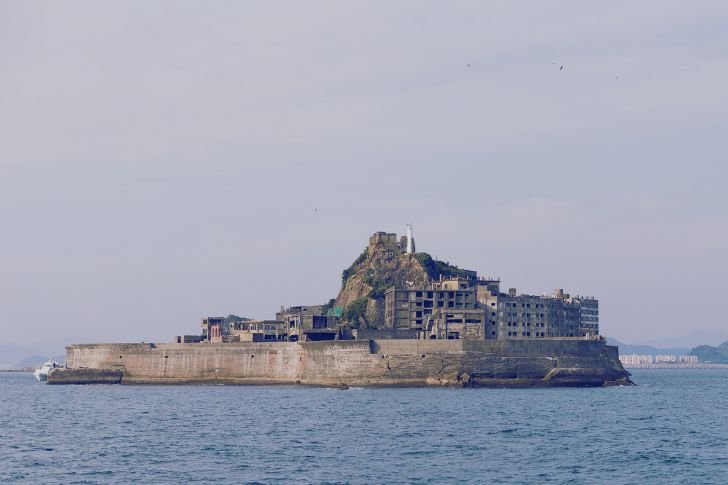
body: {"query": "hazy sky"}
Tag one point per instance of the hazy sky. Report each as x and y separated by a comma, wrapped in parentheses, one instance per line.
(164, 161)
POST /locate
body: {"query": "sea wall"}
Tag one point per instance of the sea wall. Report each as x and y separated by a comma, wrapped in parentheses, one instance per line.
(84, 376)
(264, 363)
(547, 362)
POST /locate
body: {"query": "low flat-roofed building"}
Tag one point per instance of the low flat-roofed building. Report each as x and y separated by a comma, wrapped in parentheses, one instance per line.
(308, 322)
(259, 331)
(188, 339)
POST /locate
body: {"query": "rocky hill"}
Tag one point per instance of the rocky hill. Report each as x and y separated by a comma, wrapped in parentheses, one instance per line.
(382, 265)
(714, 355)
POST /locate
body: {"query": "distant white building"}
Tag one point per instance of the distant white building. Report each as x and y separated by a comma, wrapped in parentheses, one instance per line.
(671, 358)
(689, 359)
(635, 359)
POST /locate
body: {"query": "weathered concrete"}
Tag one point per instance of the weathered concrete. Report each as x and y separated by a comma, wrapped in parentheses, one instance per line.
(543, 362)
(84, 376)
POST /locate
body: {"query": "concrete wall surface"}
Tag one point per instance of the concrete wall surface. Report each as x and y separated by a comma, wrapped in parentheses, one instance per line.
(361, 362)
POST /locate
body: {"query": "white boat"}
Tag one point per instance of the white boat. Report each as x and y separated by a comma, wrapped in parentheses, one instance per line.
(42, 372)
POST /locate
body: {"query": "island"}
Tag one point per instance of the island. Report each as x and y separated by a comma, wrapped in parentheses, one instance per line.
(401, 318)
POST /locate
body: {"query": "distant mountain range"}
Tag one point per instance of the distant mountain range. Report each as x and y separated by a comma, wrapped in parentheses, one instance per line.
(672, 345)
(14, 356)
(10, 355)
(692, 339)
(626, 349)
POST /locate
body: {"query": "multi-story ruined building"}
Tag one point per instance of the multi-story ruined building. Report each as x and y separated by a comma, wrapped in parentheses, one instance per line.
(589, 314)
(527, 316)
(412, 308)
(455, 324)
(213, 329)
(502, 315)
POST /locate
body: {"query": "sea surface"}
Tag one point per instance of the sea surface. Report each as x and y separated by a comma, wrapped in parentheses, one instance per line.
(672, 428)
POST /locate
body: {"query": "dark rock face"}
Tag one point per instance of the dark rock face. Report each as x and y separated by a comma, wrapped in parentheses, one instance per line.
(84, 376)
(383, 266)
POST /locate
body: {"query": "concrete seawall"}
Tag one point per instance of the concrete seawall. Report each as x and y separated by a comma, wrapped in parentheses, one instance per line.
(84, 376)
(547, 362)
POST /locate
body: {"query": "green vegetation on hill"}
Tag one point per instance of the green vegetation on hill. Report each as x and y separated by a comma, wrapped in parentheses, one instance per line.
(714, 355)
(378, 286)
(356, 312)
(328, 306)
(435, 268)
(351, 269)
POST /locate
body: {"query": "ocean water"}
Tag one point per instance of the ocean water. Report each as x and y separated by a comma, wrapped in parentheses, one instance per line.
(672, 428)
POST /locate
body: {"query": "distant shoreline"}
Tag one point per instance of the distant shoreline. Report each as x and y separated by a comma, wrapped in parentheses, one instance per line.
(17, 370)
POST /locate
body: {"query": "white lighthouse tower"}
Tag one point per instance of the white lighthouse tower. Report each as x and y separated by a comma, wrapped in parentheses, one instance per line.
(410, 240)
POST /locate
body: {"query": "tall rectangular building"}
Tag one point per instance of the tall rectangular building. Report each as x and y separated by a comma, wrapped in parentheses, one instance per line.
(412, 308)
(532, 316)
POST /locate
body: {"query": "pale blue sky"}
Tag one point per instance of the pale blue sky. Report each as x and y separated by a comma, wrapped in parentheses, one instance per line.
(162, 161)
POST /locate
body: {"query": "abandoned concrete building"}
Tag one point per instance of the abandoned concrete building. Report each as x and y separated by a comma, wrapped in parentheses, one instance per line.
(212, 328)
(479, 302)
(411, 308)
(258, 331)
(309, 323)
(297, 323)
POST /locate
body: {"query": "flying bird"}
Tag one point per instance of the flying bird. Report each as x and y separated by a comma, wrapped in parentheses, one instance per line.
(467, 65)
(561, 68)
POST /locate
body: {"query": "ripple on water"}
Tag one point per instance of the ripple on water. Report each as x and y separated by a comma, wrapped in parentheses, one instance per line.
(168, 434)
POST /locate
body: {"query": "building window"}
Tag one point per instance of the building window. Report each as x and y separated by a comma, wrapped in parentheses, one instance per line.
(319, 321)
